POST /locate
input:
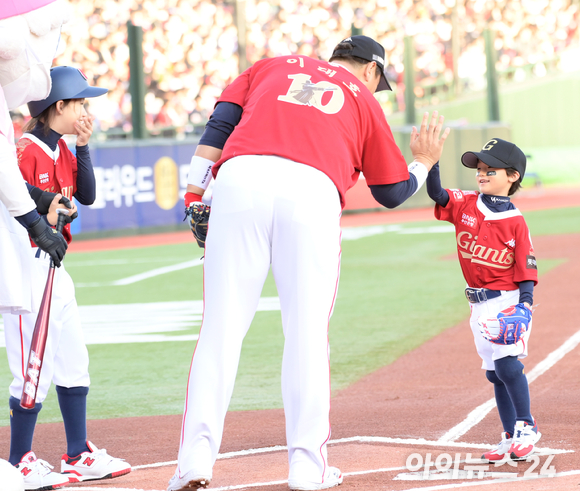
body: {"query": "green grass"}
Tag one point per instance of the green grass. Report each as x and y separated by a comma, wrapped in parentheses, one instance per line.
(396, 291)
(553, 222)
(554, 165)
(93, 268)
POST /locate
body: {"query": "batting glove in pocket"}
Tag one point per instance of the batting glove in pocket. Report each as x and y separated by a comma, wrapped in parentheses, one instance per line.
(509, 326)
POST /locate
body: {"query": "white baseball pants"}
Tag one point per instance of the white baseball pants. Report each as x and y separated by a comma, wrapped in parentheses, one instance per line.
(66, 359)
(267, 211)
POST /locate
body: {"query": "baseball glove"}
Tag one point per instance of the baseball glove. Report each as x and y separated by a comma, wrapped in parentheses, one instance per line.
(197, 215)
(509, 326)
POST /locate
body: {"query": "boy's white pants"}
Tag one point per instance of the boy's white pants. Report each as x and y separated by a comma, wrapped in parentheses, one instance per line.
(488, 351)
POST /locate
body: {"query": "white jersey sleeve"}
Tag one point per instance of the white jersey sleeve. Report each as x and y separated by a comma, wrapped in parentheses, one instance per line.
(16, 292)
(13, 192)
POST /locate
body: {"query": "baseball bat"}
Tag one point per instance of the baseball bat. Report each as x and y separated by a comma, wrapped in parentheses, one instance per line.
(38, 343)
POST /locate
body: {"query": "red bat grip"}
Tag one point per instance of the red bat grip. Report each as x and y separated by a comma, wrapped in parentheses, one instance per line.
(38, 343)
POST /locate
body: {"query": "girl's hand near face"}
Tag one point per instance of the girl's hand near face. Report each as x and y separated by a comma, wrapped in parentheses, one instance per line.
(84, 129)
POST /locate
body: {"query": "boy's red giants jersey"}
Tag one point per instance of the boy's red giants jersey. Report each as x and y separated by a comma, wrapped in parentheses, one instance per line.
(495, 249)
(316, 113)
(50, 171)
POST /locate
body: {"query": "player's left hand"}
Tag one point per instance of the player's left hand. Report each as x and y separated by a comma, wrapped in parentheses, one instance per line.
(427, 143)
(509, 327)
(84, 129)
(197, 215)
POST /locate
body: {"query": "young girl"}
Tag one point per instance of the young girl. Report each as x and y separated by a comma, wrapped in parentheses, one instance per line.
(45, 161)
(497, 259)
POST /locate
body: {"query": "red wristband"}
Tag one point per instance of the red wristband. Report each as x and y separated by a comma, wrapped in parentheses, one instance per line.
(191, 198)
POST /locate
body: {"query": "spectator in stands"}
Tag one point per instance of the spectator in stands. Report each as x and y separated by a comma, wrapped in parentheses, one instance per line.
(190, 46)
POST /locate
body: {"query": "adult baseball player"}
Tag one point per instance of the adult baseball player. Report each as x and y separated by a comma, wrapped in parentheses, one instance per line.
(286, 140)
(27, 46)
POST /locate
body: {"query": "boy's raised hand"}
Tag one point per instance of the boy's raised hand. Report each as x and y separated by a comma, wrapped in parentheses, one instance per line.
(427, 143)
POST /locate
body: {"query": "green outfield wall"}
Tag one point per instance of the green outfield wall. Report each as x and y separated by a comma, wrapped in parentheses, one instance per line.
(541, 112)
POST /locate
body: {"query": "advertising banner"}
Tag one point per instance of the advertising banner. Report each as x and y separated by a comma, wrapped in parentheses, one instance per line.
(138, 185)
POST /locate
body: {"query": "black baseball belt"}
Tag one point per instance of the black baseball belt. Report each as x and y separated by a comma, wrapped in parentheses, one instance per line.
(477, 295)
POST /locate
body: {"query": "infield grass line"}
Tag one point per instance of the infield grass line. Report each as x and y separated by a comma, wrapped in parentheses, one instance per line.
(480, 412)
(349, 233)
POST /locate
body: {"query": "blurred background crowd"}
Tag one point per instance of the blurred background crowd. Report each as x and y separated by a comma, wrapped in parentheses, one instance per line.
(191, 51)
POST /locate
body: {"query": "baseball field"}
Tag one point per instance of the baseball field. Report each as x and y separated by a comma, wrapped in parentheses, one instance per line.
(407, 387)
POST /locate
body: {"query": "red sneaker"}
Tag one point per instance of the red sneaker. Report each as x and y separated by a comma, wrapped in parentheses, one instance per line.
(93, 465)
(525, 438)
(502, 449)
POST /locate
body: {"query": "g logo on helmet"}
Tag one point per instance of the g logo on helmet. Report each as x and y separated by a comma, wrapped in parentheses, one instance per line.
(489, 145)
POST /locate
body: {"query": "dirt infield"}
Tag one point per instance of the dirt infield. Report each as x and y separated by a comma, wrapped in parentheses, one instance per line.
(402, 409)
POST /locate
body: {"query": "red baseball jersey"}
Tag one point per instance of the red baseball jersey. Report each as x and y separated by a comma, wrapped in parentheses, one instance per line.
(50, 171)
(495, 249)
(316, 113)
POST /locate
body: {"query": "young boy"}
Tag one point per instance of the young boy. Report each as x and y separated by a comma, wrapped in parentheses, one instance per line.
(497, 260)
(45, 161)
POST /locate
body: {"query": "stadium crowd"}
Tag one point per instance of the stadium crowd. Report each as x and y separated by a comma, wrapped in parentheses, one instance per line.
(190, 46)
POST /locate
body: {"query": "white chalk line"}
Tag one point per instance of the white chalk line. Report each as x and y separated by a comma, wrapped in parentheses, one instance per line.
(538, 370)
(146, 275)
(493, 482)
(349, 233)
(274, 483)
(151, 322)
(355, 233)
(354, 439)
(477, 415)
(473, 418)
(372, 471)
(359, 439)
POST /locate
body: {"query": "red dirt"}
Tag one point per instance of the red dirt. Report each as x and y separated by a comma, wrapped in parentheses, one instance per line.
(421, 395)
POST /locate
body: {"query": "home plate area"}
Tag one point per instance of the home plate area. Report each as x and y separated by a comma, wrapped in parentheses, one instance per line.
(373, 463)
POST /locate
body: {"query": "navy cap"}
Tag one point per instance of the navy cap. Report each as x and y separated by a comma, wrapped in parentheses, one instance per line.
(67, 83)
(497, 153)
(368, 49)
